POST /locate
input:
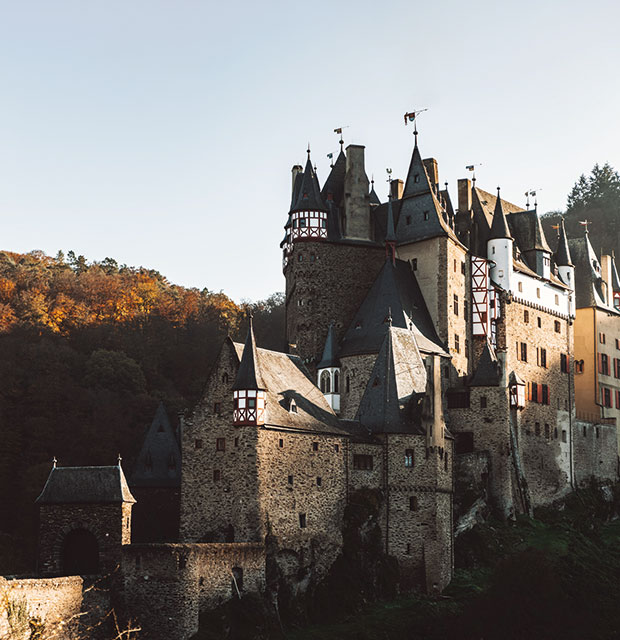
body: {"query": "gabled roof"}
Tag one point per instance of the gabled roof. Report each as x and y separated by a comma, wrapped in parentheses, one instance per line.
(159, 461)
(334, 184)
(79, 485)
(588, 278)
(397, 380)
(562, 255)
(249, 374)
(483, 207)
(395, 291)
(487, 371)
(527, 230)
(309, 197)
(288, 382)
(330, 358)
(499, 226)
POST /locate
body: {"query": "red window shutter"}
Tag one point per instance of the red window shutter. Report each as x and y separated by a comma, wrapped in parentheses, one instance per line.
(600, 363)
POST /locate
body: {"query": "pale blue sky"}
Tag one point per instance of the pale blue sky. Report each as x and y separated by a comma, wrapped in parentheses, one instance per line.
(163, 133)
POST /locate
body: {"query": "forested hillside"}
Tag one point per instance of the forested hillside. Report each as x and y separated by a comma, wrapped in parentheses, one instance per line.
(87, 351)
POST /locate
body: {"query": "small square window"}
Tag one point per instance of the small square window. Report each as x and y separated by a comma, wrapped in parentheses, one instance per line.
(319, 481)
(413, 503)
(557, 326)
(220, 444)
(302, 520)
(315, 446)
(217, 475)
(198, 443)
(281, 443)
(290, 479)
(483, 402)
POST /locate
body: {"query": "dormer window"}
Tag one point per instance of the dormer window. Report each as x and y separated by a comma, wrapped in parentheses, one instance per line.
(426, 215)
(416, 178)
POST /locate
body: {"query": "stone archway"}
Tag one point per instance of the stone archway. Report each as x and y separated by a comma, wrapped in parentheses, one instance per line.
(79, 553)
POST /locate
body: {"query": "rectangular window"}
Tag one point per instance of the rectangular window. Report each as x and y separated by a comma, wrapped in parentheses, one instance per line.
(290, 479)
(616, 367)
(558, 326)
(564, 363)
(465, 309)
(315, 446)
(458, 400)
(409, 457)
(522, 352)
(543, 358)
(362, 462)
(617, 399)
(483, 402)
(220, 444)
(538, 293)
(545, 394)
(526, 316)
(547, 431)
(236, 442)
(454, 265)
(618, 343)
(606, 397)
(463, 268)
(601, 338)
(302, 520)
(198, 443)
(520, 287)
(319, 481)
(281, 443)
(534, 391)
(456, 305)
(603, 364)
(563, 435)
(336, 448)
(413, 503)
(457, 344)
(414, 264)
(217, 475)
(217, 408)
(537, 428)
(539, 320)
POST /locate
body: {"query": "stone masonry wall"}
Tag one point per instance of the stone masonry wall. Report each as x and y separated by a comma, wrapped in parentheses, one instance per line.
(219, 492)
(595, 452)
(168, 585)
(42, 602)
(326, 282)
(303, 488)
(355, 373)
(109, 523)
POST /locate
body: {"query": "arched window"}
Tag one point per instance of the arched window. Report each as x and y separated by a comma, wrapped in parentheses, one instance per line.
(225, 378)
(325, 382)
(336, 382)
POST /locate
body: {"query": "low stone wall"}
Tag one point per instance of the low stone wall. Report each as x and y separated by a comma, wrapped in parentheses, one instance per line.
(471, 473)
(49, 604)
(595, 452)
(168, 585)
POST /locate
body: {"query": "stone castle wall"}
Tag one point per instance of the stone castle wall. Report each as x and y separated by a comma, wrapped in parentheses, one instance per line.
(354, 376)
(168, 585)
(40, 603)
(326, 282)
(595, 452)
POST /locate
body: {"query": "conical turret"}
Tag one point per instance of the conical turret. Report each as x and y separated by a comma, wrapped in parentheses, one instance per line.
(308, 213)
(249, 387)
(500, 248)
(563, 260)
(328, 371)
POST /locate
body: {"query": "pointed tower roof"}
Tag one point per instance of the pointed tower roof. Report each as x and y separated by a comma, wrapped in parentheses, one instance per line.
(374, 198)
(588, 276)
(248, 374)
(397, 378)
(499, 226)
(562, 255)
(335, 180)
(309, 196)
(417, 181)
(395, 291)
(487, 371)
(329, 359)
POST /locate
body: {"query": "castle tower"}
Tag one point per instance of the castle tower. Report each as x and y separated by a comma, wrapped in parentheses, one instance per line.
(249, 388)
(566, 269)
(328, 372)
(500, 248)
(308, 213)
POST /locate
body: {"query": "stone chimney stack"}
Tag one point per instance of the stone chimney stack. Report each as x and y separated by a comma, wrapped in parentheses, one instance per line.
(437, 439)
(464, 188)
(432, 170)
(356, 195)
(397, 187)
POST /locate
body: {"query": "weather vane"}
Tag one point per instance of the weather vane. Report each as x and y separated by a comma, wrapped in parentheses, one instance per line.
(585, 223)
(338, 131)
(411, 117)
(532, 192)
(472, 168)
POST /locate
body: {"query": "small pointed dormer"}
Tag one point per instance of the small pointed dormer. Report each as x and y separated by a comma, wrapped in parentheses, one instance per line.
(566, 269)
(308, 213)
(500, 247)
(328, 371)
(249, 388)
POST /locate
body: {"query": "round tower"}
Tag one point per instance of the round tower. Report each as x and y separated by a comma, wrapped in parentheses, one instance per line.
(328, 372)
(249, 390)
(500, 248)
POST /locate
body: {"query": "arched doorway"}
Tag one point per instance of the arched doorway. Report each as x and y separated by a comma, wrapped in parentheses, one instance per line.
(80, 553)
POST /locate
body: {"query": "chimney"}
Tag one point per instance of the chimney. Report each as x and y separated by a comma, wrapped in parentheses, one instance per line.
(437, 439)
(430, 164)
(296, 170)
(464, 188)
(606, 266)
(356, 195)
(396, 189)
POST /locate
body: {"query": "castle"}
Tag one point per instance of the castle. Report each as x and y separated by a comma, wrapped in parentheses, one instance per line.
(431, 356)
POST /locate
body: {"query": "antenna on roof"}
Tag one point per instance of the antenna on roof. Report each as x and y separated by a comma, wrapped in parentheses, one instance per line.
(338, 131)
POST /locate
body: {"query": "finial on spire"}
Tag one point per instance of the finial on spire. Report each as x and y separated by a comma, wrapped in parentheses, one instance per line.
(54, 462)
(585, 224)
(119, 459)
(389, 318)
(498, 190)
(308, 150)
(338, 131)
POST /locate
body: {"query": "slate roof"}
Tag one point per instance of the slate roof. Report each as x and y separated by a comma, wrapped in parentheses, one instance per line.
(588, 276)
(395, 289)
(330, 357)
(79, 485)
(249, 374)
(527, 230)
(334, 184)
(285, 379)
(309, 197)
(487, 371)
(159, 461)
(562, 254)
(390, 234)
(392, 400)
(499, 226)
(374, 198)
